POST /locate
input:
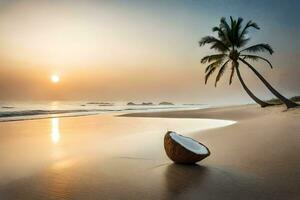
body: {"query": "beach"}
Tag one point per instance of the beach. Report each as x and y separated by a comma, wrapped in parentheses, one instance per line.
(149, 100)
(254, 155)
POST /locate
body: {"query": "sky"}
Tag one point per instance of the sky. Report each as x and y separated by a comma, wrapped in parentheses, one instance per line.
(137, 50)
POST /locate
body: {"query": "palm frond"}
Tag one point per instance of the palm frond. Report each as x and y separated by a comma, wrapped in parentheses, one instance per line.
(255, 58)
(239, 23)
(221, 72)
(259, 48)
(211, 71)
(252, 24)
(232, 28)
(239, 41)
(211, 68)
(215, 64)
(226, 28)
(231, 75)
(237, 29)
(233, 31)
(216, 44)
(243, 41)
(249, 25)
(211, 58)
(222, 35)
(242, 35)
(207, 40)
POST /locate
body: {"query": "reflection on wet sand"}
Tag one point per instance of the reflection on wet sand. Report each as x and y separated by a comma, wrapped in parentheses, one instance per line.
(55, 133)
(131, 179)
(98, 157)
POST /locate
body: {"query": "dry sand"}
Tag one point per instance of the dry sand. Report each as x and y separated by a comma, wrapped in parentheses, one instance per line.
(255, 158)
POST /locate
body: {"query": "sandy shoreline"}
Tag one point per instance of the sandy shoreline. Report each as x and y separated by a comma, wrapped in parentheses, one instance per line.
(265, 144)
(255, 158)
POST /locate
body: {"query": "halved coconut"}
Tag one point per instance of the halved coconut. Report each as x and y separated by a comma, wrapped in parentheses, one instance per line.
(183, 149)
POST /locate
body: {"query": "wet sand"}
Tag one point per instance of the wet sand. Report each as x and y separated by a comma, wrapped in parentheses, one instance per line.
(106, 157)
(263, 146)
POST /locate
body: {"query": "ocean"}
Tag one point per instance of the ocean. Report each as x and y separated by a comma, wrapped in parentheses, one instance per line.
(16, 111)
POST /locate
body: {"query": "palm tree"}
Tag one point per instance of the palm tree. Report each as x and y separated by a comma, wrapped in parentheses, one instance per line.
(231, 38)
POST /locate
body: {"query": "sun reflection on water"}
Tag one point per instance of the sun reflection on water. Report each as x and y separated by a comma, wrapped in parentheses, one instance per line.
(55, 134)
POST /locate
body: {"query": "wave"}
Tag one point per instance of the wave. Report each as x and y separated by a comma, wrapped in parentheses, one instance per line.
(38, 114)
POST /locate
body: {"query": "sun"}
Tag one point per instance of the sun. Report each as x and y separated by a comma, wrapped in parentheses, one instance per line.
(55, 78)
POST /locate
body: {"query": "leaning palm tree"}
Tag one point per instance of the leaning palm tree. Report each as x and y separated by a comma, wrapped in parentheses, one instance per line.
(229, 45)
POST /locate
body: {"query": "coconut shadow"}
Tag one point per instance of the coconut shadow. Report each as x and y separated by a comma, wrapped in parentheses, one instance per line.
(179, 177)
(205, 182)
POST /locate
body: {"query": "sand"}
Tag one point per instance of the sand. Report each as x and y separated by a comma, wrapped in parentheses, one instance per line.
(106, 157)
(264, 145)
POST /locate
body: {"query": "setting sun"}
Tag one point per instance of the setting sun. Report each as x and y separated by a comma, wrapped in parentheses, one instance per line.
(55, 78)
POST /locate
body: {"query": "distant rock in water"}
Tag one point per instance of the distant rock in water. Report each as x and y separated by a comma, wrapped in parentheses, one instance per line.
(105, 104)
(8, 107)
(142, 104)
(92, 103)
(164, 103)
(100, 103)
(147, 104)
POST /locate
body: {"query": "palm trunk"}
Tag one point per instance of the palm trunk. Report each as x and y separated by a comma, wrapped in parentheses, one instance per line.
(257, 100)
(287, 102)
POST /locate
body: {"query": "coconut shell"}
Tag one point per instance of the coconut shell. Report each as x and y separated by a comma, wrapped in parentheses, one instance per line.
(179, 154)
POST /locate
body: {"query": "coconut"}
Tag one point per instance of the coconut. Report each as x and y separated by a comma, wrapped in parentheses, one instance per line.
(183, 149)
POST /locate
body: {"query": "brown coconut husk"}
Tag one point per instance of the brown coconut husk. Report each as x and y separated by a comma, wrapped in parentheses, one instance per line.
(179, 154)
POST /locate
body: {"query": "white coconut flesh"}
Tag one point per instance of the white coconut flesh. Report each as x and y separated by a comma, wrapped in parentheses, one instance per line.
(189, 144)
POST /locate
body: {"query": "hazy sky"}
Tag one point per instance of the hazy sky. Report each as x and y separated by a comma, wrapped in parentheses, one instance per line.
(136, 50)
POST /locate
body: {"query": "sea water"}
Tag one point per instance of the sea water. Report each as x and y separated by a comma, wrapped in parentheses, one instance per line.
(15, 111)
